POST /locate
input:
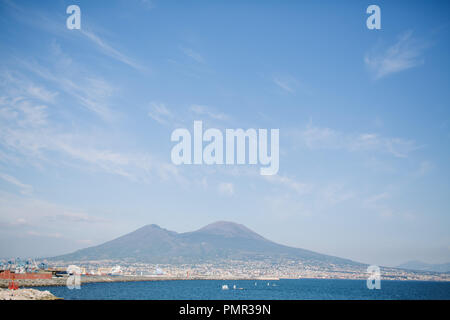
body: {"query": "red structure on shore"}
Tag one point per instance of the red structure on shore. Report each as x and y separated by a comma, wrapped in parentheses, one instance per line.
(7, 274)
(12, 285)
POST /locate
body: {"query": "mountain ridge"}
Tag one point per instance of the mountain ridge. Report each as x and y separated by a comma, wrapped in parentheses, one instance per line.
(220, 240)
(422, 266)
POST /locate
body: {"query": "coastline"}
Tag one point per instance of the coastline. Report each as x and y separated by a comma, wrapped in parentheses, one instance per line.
(29, 283)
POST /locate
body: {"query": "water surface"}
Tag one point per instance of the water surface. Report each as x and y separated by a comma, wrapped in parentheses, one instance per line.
(285, 289)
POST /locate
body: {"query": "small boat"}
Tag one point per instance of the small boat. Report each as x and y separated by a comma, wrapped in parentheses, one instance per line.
(234, 287)
(224, 287)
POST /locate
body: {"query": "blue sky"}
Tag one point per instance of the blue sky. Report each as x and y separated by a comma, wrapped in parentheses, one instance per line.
(86, 117)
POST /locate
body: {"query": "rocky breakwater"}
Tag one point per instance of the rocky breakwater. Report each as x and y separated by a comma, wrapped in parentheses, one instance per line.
(34, 282)
(26, 294)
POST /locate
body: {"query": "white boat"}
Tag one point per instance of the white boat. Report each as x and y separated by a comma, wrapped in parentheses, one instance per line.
(224, 287)
(234, 287)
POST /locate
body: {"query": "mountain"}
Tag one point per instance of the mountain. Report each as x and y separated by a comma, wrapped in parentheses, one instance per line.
(216, 241)
(422, 266)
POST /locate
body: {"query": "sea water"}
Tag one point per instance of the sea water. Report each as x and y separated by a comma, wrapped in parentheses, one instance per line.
(284, 289)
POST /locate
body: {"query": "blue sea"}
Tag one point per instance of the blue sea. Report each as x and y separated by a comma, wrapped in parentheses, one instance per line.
(284, 289)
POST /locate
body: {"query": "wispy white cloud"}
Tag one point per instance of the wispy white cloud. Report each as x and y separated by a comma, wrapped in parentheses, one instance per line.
(91, 91)
(318, 195)
(23, 112)
(290, 84)
(333, 194)
(424, 168)
(175, 118)
(133, 166)
(41, 93)
(192, 54)
(285, 207)
(307, 199)
(285, 84)
(24, 188)
(226, 188)
(46, 143)
(43, 144)
(315, 137)
(18, 211)
(376, 198)
(378, 206)
(204, 110)
(33, 233)
(29, 217)
(405, 54)
(110, 51)
(26, 133)
(21, 87)
(160, 113)
(73, 217)
(34, 115)
(299, 187)
(52, 25)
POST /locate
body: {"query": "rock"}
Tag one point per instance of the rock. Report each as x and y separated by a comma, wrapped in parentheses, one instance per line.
(26, 294)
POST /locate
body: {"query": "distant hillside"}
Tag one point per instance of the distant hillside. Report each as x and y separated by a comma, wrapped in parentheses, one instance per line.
(220, 240)
(422, 266)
